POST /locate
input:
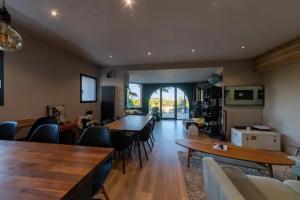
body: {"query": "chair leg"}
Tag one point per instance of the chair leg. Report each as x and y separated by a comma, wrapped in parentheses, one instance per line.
(153, 136)
(145, 150)
(129, 154)
(134, 146)
(149, 145)
(123, 158)
(152, 142)
(105, 193)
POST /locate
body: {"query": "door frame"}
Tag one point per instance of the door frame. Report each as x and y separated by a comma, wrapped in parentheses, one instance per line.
(175, 100)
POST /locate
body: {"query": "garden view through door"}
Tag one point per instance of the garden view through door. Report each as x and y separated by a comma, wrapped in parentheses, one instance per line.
(170, 102)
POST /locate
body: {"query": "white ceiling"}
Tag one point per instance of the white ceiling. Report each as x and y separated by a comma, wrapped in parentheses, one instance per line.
(170, 29)
(191, 75)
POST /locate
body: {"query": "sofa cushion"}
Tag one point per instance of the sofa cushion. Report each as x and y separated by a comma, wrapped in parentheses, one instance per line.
(273, 189)
(242, 183)
(295, 185)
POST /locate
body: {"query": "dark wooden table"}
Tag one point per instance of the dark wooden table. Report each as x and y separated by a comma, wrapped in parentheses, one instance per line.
(48, 171)
(131, 123)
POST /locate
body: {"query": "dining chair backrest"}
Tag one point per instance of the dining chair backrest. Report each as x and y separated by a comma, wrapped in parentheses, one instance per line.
(153, 123)
(46, 133)
(146, 132)
(97, 136)
(8, 130)
(39, 122)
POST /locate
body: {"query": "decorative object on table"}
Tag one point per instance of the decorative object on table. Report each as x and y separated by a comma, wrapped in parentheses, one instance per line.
(193, 130)
(222, 147)
(10, 40)
(86, 121)
(244, 96)
(58, 112)
(263, 140)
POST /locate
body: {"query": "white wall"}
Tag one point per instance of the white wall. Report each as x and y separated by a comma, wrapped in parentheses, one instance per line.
(120, 81)
(237, 75)
(282, 110)
(42, 74)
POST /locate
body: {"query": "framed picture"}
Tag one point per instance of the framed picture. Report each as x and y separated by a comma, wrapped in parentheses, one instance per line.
(244, 95)
(57, 111)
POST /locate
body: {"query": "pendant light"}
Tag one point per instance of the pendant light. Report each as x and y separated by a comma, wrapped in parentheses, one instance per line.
(10, 40)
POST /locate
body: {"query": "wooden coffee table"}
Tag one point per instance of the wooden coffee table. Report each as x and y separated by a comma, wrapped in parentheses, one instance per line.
(265, 158)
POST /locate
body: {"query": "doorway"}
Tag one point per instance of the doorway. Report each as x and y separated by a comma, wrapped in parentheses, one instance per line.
(170, 102)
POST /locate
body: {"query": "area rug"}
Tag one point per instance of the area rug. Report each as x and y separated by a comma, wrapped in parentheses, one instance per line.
(194, 175)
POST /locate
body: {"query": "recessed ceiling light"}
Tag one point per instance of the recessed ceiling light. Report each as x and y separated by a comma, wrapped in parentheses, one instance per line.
(243, 47)
(129, 3)
(54, 13)
(149, 53)
(193, 50)
(110, 56)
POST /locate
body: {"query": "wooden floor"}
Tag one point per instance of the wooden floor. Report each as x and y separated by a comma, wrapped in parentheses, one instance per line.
(161, 177)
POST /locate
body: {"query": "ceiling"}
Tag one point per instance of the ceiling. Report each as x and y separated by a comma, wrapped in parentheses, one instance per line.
(169, 29)
(192, 75)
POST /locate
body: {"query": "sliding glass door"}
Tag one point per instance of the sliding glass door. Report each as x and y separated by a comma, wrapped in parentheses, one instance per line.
(168, 102)
(171, 102)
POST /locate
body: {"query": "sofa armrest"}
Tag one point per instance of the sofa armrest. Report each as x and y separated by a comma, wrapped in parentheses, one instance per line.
(217, 185)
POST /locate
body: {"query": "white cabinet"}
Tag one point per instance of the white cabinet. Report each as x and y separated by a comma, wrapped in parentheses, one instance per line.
(263, 140)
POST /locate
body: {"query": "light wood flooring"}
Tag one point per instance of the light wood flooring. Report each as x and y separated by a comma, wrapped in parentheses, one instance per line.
(161, 177)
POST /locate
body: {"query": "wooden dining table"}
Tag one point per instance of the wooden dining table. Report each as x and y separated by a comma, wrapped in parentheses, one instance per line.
(48, 171)
(131, 123)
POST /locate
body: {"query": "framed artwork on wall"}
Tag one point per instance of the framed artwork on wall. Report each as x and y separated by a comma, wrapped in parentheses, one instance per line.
(57, 111)
(244, 95)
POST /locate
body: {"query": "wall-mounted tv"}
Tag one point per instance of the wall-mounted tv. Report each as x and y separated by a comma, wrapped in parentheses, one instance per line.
(244, 95)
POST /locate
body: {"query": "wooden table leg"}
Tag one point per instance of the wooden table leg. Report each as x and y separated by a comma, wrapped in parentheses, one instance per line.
(189, 157)
(271, 170)
(139, 149)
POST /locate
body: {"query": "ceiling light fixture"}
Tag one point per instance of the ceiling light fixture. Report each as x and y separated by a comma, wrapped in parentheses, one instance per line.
(10, 40)
(243, 47)
(149, 53)
(129, 3)
(110, 56)
(54, 13)
(193, 50)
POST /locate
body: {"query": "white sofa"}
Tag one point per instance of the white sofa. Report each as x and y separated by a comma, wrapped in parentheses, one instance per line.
(218, 186)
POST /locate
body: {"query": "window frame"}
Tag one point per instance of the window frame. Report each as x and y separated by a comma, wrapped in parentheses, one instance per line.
(141, 96)
(96, 89)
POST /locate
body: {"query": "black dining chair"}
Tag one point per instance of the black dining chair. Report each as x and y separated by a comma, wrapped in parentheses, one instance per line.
(37, 123)
(8, 130)
(122, 142)
(98, 136)
(144, 137)
(152, 138)
(46, 133)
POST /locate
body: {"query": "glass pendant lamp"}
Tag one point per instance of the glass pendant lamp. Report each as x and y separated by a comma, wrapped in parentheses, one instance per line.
(10, 40)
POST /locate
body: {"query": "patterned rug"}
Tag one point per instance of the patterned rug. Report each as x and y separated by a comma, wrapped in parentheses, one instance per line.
(194, 175)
